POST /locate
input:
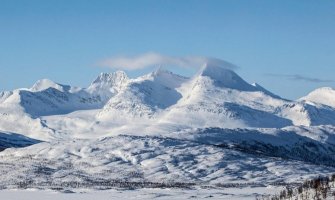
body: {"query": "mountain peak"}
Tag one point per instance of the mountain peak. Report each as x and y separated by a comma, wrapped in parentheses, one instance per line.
(108, 84)
(218, 73)
(324, 95)
(225, 77)
(167, 78)
(325, 89)
(160, 71)
(44, 84)
(111, 77)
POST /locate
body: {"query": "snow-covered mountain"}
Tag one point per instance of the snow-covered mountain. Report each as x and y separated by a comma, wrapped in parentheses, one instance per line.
(325, 96)
(214, 97)
(107, 85)
(145, 97)
(164, 128)
(219, 97)
(46, 97)
(22, 109)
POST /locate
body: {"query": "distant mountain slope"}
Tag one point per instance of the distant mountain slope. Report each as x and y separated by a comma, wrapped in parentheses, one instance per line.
(8, 140)
(309, 144)
(325, 95)
(307, 114)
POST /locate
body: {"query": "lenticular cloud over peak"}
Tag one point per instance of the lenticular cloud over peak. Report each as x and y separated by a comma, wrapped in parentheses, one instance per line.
(151, 59)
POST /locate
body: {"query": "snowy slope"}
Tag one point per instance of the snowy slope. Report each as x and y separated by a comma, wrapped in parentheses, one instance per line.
(261, 88)
(107, 85)
(44, 84)
(307, 114)
(141, 161)
(15, 119)
(144, 97)
(309, 144)
(325, 95)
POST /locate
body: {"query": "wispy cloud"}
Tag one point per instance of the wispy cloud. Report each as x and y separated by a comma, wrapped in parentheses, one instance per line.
(151, 59)
(297, 77)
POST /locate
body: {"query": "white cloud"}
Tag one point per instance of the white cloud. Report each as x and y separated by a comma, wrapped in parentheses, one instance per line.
(152, 59)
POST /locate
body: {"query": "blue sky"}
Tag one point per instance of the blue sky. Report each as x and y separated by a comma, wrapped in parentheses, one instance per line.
(286, 46)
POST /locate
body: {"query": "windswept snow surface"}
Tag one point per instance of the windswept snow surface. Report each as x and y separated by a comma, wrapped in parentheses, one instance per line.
(212, 131)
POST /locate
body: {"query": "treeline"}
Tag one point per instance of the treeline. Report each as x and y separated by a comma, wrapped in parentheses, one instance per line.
(101, 184)
(320, 188)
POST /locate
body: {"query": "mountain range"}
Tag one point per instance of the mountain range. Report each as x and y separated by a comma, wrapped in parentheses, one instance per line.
(211, 128)
(214, 97)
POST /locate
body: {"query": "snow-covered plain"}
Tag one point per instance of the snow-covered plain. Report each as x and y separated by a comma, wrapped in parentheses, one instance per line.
(245, 193)
(213, 133)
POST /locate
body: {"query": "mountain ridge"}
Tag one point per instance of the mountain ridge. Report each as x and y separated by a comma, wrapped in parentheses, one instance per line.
(216, 93)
